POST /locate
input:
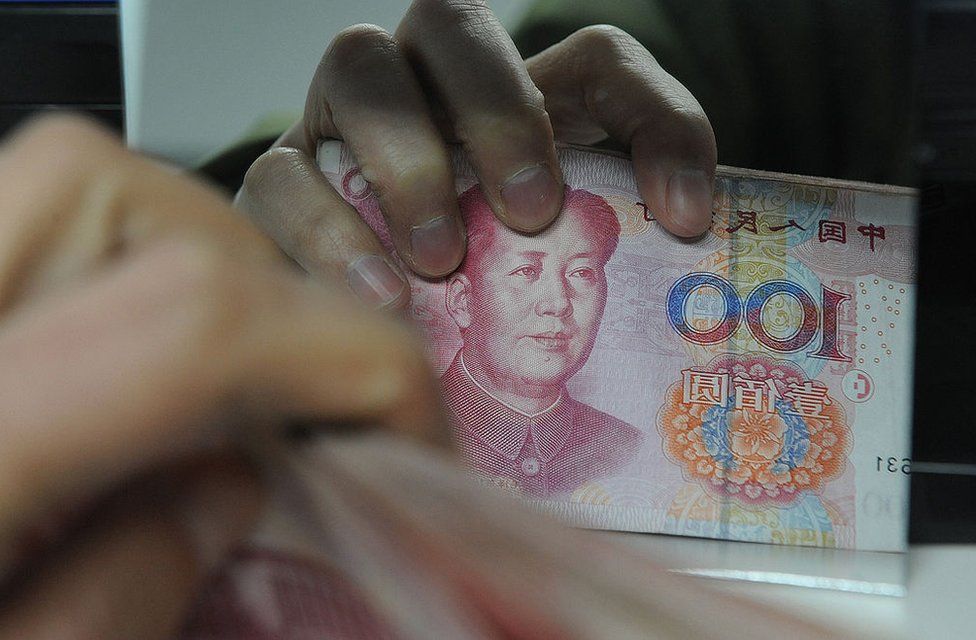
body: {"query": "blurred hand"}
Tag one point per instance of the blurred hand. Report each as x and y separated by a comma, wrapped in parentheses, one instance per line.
(451, 73)
(147, 332)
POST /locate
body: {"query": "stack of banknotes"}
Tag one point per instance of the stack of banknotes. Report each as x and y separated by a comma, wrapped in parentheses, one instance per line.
(753, 385)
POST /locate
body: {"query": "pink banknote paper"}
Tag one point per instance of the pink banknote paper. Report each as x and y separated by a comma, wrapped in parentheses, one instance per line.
(754, 384)
(373, 536)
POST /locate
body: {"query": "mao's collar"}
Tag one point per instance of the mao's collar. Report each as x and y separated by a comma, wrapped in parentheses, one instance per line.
(471, 379)
(500, 425)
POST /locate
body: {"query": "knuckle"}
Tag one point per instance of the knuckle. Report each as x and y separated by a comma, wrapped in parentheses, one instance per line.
(269, 173)
(606, 39)
(447, 9)
(693, 117)
(532, 108)
(358, 45)
(65, 144)
(470, 19)
(524, 119)
(609, 56)
(327, 244)
(197, 270)
(318, 242)
(525, 104)
(402, 173)
(65, 133)
(208, 289)
(601, 49)
(691, 125)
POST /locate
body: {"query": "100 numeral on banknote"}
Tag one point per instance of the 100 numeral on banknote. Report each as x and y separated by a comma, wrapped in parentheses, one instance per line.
(740, 386)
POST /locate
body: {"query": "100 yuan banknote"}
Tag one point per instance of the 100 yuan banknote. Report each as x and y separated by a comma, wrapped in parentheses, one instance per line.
(754, 384)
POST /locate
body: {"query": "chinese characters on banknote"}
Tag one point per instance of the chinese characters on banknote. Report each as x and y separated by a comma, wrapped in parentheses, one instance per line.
(744, 385)
(753, 384)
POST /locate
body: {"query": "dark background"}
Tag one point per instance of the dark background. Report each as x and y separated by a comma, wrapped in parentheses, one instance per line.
(60, 55)
(57, 55)
(944, 437)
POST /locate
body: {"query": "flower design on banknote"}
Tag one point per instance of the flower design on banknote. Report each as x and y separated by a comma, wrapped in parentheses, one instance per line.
(810, 521)
(754, 429)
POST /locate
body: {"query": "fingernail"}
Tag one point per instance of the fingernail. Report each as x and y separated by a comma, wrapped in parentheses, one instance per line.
(437, 246)
(690, 200)
(530, 197)
(374, 281)
(217, 514)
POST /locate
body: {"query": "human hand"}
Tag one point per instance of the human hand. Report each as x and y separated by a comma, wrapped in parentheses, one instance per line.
(147, 334)
(451, 73)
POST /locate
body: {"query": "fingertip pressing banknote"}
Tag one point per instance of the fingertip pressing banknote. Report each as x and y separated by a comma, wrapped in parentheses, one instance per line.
(753, 384)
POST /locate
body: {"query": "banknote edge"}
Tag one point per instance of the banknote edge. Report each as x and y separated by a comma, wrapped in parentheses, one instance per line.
(726, 171)
(722, 171)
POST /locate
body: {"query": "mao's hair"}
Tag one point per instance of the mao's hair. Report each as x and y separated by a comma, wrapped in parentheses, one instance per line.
(599, 217)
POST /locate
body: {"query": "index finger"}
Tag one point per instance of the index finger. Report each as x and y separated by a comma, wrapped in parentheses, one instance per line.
(472, 68)
(601, 81)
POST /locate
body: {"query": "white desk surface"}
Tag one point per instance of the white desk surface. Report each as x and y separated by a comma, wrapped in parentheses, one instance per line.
(940, 603)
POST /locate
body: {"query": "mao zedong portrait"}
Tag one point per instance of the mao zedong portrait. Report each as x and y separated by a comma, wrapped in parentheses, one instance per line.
(528, 309)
